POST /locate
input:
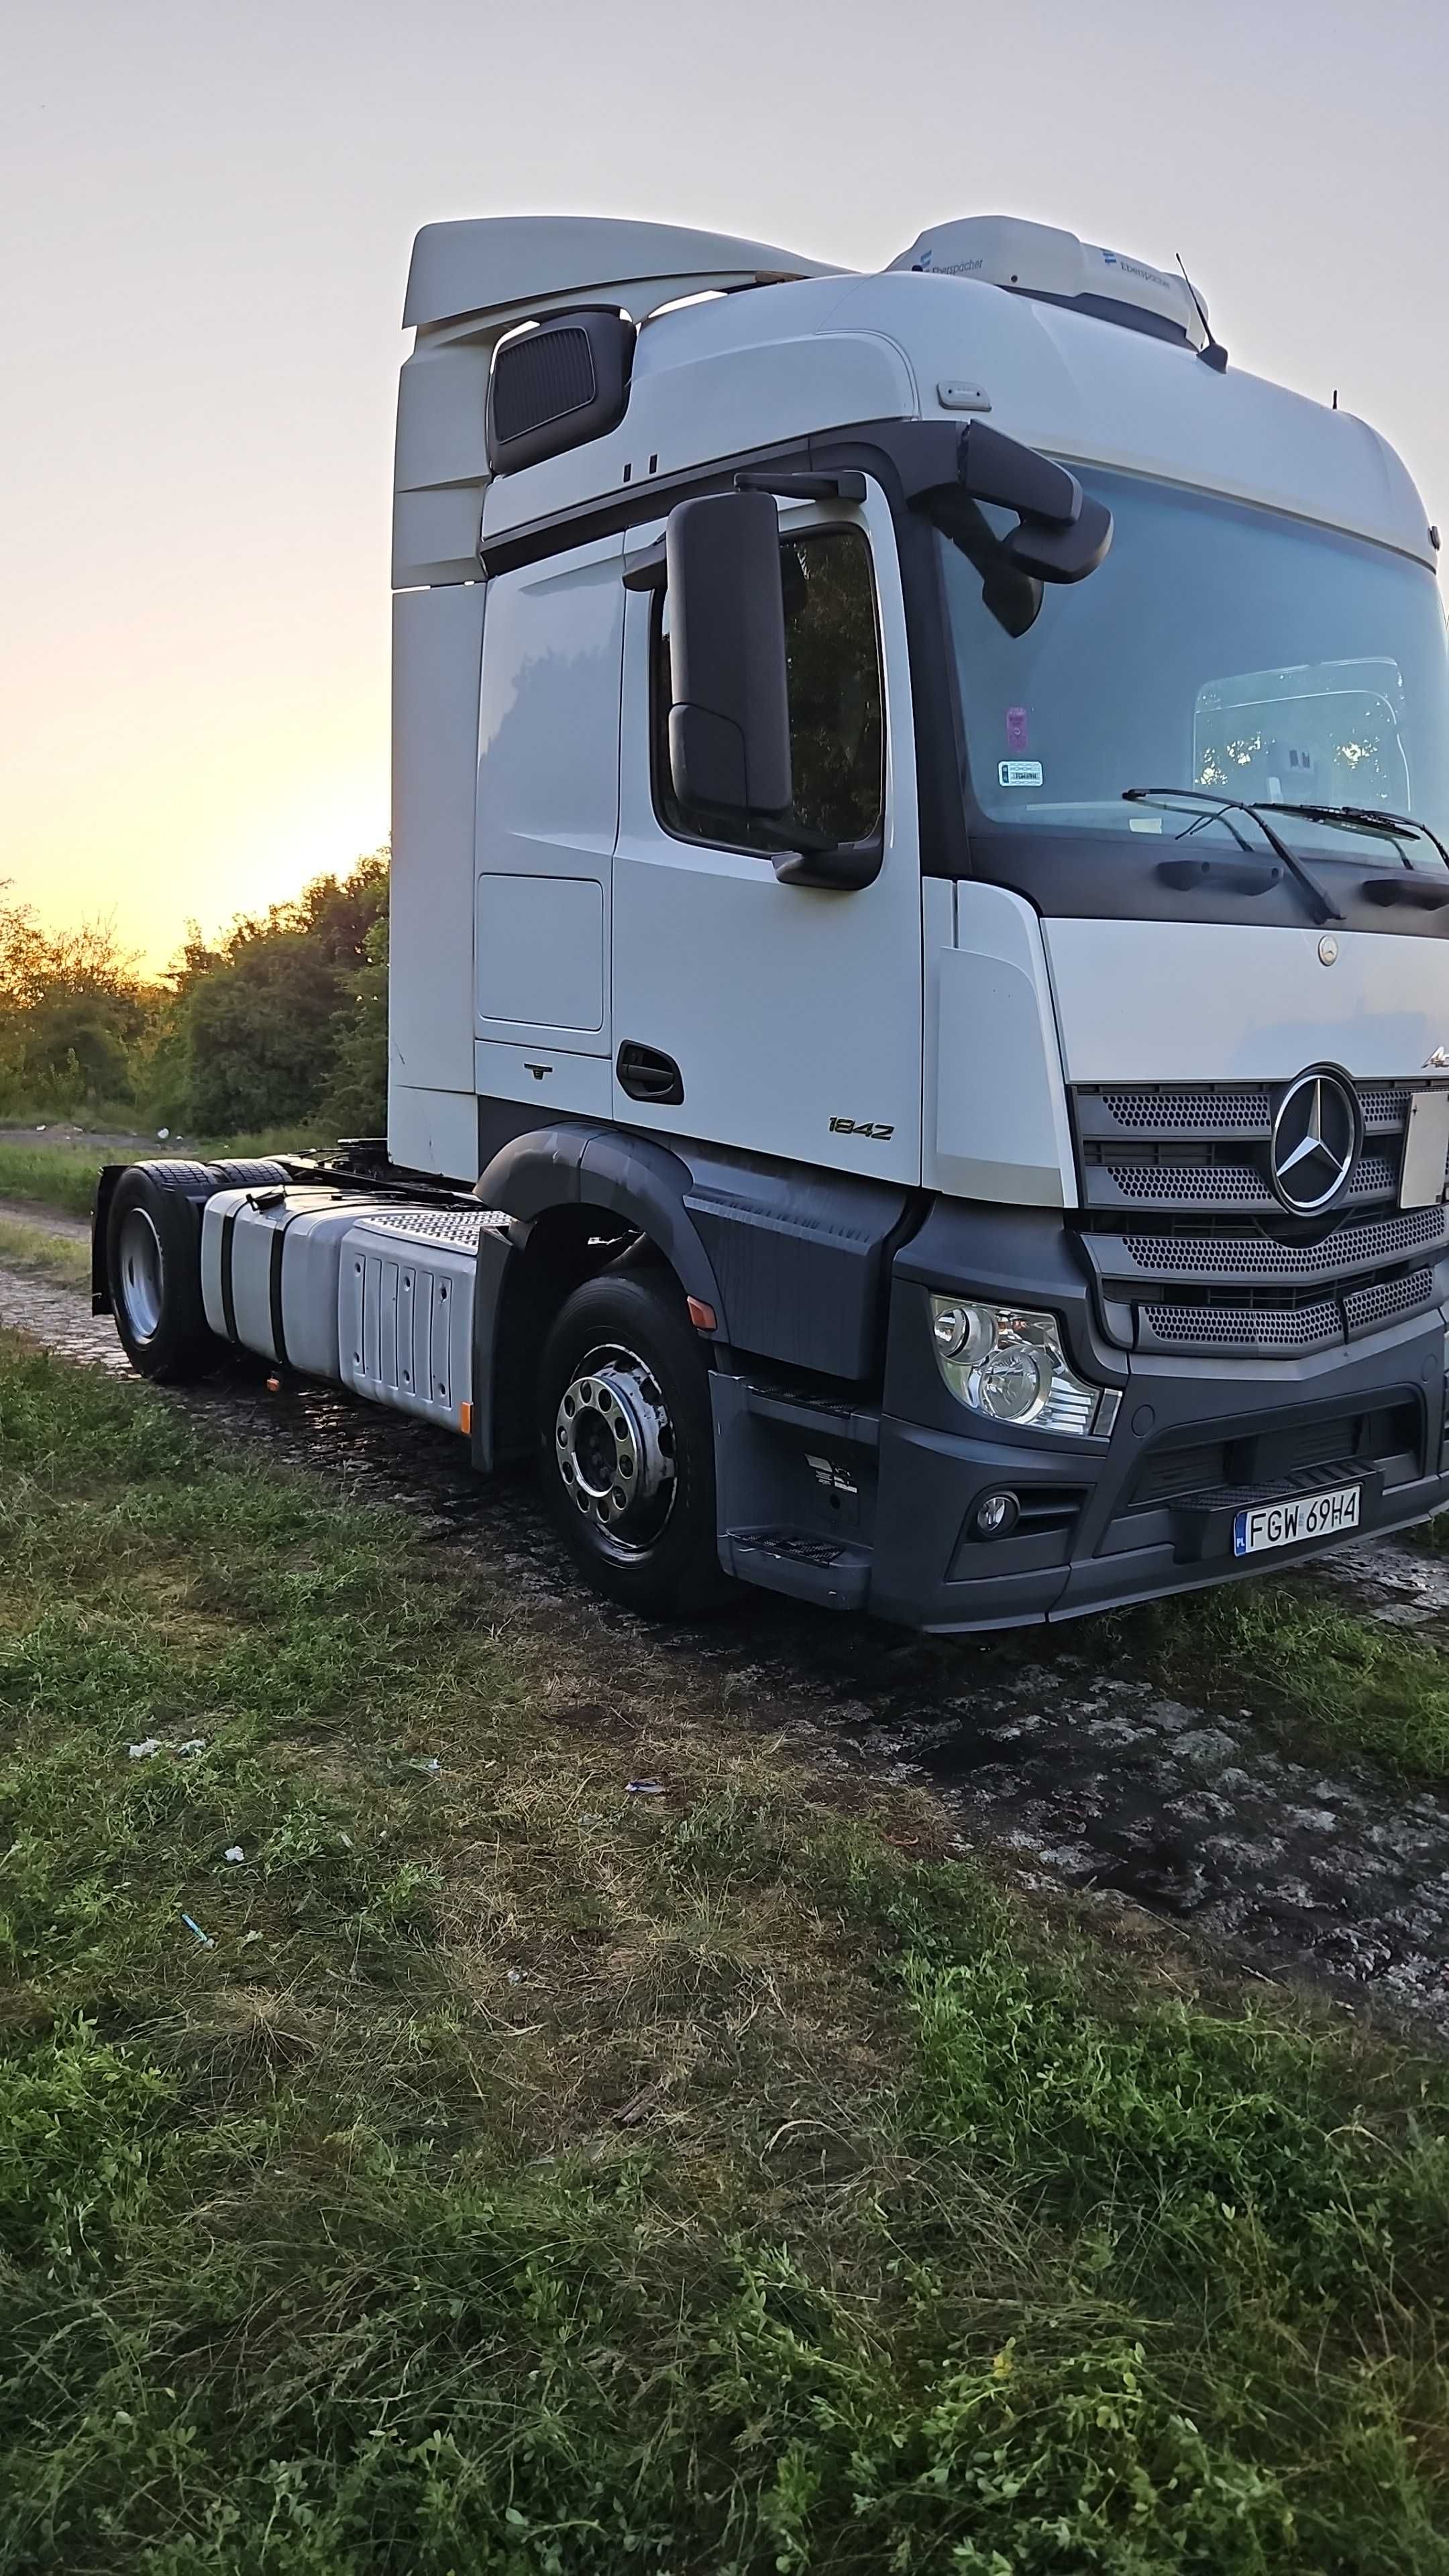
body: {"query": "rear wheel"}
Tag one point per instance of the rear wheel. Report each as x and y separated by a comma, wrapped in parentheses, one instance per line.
(153, 1272)
(626, 1446)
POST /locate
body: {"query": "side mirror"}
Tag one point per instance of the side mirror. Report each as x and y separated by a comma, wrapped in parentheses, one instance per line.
(729, 725)
(1062, 535)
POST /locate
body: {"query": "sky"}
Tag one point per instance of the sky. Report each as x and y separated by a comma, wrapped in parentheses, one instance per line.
(206, 212)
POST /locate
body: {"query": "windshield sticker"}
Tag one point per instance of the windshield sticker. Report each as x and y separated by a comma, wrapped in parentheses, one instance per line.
(1016, 730)
(1019, 773)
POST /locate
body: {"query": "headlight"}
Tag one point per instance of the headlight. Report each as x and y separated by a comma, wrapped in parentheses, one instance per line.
(1010, 1366)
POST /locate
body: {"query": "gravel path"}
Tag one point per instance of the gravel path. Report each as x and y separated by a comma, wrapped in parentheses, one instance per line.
(1084, 1776)
(71, 1229)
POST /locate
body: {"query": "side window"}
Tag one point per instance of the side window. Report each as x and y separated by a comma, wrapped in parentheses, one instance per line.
(837, 742)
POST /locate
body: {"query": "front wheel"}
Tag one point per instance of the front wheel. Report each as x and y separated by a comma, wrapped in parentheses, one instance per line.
(626, 1446)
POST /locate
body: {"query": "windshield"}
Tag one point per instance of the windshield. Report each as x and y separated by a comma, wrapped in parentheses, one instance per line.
(1221, 648)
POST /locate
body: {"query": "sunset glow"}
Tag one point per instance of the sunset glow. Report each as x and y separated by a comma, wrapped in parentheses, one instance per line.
(214, 217)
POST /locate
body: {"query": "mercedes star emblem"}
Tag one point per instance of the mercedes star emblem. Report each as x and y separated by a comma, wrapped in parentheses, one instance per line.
(1316, 1138)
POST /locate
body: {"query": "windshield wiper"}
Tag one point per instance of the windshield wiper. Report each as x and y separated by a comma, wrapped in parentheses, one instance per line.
(1218, 808)
(1363, 818)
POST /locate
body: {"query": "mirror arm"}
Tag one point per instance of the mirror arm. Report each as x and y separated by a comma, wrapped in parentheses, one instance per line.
(844, 868)
(646, 569)
(1061, 535)
(804, 487)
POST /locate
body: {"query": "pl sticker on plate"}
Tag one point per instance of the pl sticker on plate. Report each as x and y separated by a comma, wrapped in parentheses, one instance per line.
(1019, 773)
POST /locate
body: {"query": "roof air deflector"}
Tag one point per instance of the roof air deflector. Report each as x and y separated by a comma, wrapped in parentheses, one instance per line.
(509, 267)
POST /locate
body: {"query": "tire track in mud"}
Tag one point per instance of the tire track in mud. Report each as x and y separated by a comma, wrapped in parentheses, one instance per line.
(1083, 1777)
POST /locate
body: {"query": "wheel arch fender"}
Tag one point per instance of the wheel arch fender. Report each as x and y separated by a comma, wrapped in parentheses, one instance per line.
(551, 1182)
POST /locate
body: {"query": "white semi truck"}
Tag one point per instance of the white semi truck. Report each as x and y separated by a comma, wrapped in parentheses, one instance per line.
(919, 990)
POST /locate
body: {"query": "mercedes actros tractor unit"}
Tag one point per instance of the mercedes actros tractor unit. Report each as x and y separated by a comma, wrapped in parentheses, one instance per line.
(919, 1064)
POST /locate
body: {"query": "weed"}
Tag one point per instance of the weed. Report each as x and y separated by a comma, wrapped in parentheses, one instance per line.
(1354, 1684)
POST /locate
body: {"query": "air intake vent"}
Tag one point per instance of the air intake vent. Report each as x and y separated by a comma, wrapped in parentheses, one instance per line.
(558, 386)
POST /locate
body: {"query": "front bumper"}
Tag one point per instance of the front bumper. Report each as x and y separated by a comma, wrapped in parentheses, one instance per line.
(1151, 1510)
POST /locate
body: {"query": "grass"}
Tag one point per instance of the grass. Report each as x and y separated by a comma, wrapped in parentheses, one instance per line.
(104, 1117)
(63, 1176)
(50, 1256)
(527, 2176)
(1343, 1685)
(53, 1176)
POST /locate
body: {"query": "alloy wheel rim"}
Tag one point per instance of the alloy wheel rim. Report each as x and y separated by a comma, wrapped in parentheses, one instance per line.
(614, 1445)
(141, 1274)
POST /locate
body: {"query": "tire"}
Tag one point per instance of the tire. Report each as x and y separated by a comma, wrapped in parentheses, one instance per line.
(153, 1270)
(626, 1445)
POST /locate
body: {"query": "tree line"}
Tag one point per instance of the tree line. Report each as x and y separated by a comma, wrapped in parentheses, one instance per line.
(282, 1022)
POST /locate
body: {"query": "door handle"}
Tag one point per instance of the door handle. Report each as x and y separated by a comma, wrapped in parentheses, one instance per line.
(647, 1074)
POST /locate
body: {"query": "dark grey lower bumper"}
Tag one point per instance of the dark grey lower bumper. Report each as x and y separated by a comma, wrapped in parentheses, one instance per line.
(1108, 1523)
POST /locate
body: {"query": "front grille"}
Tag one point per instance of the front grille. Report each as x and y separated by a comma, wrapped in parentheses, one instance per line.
(1193, 1251)
(1215, 1178)
(1241, 1328)
(1366, 1307)
(1205, 1109)
(1263, 1256)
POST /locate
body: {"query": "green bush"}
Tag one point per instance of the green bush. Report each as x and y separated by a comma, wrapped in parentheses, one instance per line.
(281, 1024)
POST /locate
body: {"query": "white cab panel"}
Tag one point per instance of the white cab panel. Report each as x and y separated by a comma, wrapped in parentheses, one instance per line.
(541, 950)
(999, 1104)
(549, 1078)
(1194, 1001)
(784, 1008)
(712, 378)
(703, 385)
(548, 798)
(434, 1131)
(440, 462)
(437, 642)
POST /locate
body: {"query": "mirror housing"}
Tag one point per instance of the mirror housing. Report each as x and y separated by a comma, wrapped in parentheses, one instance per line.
(729, 725)
(1062, 535)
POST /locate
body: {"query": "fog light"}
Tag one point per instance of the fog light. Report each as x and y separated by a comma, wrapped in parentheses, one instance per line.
(995, 1516)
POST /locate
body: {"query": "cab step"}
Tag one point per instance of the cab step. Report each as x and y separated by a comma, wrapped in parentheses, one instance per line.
(857, 1425)
(829, 1571)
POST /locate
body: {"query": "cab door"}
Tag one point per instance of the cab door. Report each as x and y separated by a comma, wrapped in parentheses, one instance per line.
(791, 1016)
(547, 813)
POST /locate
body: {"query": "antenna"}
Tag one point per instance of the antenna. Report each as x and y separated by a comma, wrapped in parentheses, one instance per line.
(1214, 355)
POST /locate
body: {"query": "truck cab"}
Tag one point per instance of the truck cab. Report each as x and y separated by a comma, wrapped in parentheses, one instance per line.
(919, 1001)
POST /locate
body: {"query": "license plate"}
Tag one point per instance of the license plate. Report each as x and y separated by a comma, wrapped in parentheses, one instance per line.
(1306, 1516)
